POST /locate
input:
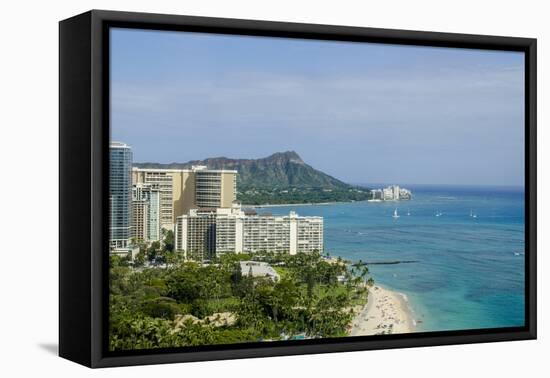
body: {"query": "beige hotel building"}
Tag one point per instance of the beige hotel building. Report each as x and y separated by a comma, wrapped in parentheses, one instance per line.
(184, 189)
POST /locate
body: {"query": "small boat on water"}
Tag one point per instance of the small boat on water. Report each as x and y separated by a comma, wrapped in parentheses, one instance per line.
(438, 214)
(408, 212)
(472, 215)
(395, 215)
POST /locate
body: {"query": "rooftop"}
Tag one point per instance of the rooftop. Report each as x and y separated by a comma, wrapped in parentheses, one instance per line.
(174, 170)
(115, 144)
(258, 269)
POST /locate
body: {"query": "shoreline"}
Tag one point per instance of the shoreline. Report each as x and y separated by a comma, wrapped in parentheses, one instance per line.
(297, 204)
(386, 312)
(319, 203)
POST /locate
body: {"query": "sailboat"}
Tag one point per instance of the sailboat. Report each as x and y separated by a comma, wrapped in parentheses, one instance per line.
(472, 214)
(438, 214)
(395, 215)
(409, 212)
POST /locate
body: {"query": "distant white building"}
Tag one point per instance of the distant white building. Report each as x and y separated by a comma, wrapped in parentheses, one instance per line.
(377, 194)
(391, 193)
(405, 194)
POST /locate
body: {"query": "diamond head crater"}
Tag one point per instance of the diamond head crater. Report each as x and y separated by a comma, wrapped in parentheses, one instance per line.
(281, 178)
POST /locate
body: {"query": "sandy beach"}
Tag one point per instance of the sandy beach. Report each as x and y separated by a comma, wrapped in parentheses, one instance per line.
(386, 312)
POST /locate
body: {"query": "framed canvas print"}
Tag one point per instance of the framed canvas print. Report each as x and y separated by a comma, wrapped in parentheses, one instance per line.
(235, 188)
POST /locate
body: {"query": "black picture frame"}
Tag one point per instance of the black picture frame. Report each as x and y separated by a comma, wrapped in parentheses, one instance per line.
(83, 181)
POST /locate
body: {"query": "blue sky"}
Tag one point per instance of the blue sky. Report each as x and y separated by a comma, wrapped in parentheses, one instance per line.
(361, 112)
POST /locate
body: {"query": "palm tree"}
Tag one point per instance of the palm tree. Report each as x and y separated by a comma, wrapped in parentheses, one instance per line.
(364, 272)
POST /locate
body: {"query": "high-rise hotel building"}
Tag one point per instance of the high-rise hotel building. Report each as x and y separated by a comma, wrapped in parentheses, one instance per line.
(140, 225)
(120, 194)
(203, 234)
(184, 189)
(145, 212)
(214, 188)
(199, 205)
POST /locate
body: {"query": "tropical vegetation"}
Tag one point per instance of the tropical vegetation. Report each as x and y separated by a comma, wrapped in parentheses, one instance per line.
(161, 301)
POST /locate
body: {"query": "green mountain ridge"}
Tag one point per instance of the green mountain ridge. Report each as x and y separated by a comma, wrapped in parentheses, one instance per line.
(280, 178)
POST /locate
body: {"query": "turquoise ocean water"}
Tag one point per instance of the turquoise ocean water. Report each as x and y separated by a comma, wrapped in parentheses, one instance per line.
(467, 272)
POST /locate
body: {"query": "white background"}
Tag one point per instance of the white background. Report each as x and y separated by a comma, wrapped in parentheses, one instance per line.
(29, 186)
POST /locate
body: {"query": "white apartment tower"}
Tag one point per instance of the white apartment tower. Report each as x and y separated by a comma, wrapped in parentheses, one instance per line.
(216, 232)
